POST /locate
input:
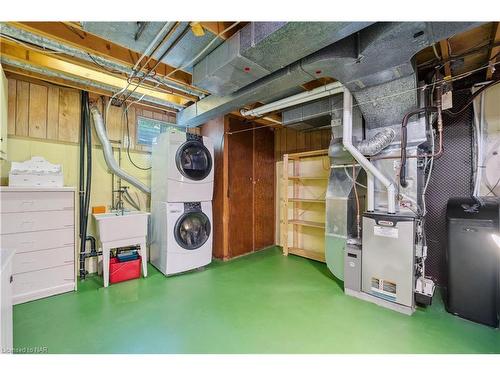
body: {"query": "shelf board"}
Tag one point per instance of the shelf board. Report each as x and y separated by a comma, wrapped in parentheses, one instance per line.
(308, 177)
(307, 254)
(306, 223)
(306, 200)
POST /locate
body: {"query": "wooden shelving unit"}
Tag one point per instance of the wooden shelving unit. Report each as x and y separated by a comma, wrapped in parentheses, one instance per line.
(303, 172)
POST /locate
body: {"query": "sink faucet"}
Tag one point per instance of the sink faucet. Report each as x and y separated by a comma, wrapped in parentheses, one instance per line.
(119, 204)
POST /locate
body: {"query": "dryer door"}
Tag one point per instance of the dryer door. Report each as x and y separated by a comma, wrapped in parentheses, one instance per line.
(192, 230)
(193, 160)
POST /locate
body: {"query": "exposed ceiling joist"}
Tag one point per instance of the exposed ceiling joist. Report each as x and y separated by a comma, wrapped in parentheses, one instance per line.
(493, 57)
(445, 55)
(67, 33)
(218, 27)
(18, 53)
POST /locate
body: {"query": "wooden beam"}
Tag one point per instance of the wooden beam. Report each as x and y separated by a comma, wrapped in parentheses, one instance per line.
(218, 27)
(97, 67)
(90, 43)
(495, 50)
(445, 55)
(41, 60)
(260, 121)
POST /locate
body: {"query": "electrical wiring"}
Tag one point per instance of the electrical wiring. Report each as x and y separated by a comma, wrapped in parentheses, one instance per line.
(30, 46)
(471, 99)
(424, 190)
(128, 144)
(174, 43)
(104, 67)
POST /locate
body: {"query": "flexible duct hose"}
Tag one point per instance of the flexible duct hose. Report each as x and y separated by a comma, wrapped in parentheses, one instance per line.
(377, 143)
(108, 153)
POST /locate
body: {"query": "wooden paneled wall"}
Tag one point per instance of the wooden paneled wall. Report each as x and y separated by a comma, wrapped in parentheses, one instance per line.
(288, 141)
(41, 110)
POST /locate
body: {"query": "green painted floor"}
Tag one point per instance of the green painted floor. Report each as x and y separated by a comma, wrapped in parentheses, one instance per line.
(262, 303)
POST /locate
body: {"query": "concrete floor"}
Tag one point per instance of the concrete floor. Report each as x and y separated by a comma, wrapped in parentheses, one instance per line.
(262, 303)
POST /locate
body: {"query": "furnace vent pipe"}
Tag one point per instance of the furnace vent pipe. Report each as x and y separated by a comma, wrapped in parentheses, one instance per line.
(370, 169)
(303, 97)
(108, 153)
(372, 146)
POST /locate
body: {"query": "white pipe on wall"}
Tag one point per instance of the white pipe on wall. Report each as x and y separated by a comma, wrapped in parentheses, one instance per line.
(370, 199)
(361, 159)
(108, 153)
(303, 97)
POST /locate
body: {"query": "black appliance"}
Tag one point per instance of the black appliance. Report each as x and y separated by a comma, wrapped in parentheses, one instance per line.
(473, 259)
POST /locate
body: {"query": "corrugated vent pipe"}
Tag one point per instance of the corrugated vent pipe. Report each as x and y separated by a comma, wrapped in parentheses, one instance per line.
(370, 169)
(377, 143)
(108, 153)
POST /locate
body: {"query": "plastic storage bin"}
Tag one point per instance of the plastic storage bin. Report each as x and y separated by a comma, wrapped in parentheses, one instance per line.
(122, 271)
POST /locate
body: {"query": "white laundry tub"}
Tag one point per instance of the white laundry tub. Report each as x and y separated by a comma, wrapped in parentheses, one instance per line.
(114, 226)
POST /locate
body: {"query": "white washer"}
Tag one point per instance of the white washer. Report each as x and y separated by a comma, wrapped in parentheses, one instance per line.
(182, 168)
(182, 236)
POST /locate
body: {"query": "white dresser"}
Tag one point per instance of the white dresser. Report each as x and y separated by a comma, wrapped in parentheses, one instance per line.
(6, 279)
(39, 224)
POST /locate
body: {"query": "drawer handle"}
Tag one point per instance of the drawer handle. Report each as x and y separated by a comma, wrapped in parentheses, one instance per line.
(68, 244)
(27, 242)
(68, 261)
(28, 223)
(68, 208)
(28, 261)
(68, 225)
(28, 202)
(11, 279)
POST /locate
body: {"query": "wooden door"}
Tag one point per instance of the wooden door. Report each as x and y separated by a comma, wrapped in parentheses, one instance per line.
(264, 181)
(240, 187)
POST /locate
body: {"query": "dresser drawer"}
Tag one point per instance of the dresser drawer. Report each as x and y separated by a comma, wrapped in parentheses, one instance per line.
(39, 260)
(43, 283)
(34, 221)
(20, 201)
(42, 240)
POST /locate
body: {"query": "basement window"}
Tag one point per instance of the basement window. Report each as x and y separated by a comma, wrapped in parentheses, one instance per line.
(149, 129)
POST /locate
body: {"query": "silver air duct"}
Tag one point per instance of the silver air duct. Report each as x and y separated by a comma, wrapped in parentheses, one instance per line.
(108, 153)
(377, 143)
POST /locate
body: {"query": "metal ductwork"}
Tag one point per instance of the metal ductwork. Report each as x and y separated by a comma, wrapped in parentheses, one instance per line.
(261, 48)
(108, 153)
(125, 34)
(375, 64)
(314, 114)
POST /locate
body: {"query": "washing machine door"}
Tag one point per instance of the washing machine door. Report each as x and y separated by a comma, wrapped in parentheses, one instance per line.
(193, 160)
(192, 229)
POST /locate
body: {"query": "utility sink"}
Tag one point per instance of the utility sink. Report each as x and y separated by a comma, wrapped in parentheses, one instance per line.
(118, 225)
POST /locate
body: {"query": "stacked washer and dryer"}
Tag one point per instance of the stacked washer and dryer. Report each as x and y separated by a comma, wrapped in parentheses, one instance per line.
(182, 181)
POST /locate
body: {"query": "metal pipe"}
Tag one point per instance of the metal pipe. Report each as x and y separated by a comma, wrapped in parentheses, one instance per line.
(303, 97)
(360, 158)
(108, 153)
(46, 43)
(370, 191)
(148, 49)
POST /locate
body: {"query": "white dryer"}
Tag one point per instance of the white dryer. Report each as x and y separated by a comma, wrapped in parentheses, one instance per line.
(182, 236)
(182, 168)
